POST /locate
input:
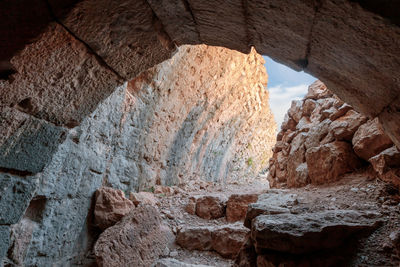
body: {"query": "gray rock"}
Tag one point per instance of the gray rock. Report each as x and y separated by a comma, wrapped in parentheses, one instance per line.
(5, 241)
(30, 147)
(169, 262)
(309, 232)
(15, 194)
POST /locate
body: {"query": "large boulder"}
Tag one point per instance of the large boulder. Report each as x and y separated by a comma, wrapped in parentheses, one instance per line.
(317, 90)
(270, 203)
(370, 139)
(137, 240)
(326, 163)
(195, 238)
(228, 240)
(210, 207)
(225, 240)
(344, 127)
(309, 232)
(237, 204)
(111, 205)
(170, 262)
(387, 165)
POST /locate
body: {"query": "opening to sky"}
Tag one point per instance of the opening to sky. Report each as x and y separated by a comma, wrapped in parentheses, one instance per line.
(285, 85)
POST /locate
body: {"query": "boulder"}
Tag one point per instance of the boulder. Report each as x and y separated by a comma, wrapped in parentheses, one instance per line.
(195, 238)
(386, 160)
(225, 240)
(309, 232)
(318, 90)
(210, 207)
(369, 140)
(341, 110)
(273, 202)
(237, 204)
(387, 165)
(137, 240)
(288, 123)
(228, 240)
(308, 107)
(247, 255)
(295, 110)
(143, 198)
(295, 176)
(344, 127)
(326, 163)
(111, 205)
(191, 206)
(170, 262)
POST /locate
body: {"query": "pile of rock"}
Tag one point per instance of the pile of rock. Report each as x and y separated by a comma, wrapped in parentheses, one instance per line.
(323, 138)
(215, 206)
(279, 236)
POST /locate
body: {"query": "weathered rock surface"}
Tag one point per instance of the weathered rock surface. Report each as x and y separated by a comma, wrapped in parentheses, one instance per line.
(314, 144)
(210, 207)
(143, 198)
(151, 131)
(236, 206)
(15, 195)
(225, 240)
(327, 163)
(111, 205)
(370, 140)
(308, 232)
(387, 165)
(197, 238)
(137, 240)
(273, 202)
(169, 262)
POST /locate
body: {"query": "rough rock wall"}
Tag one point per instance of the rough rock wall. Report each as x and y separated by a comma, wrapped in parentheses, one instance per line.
(351, 45)
(323, 138)
(204, 114)
(201, 115)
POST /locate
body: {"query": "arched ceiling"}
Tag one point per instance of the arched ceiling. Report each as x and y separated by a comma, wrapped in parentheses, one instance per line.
(59, 59)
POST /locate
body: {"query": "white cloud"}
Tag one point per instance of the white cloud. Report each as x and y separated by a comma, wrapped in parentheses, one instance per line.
(280, 98)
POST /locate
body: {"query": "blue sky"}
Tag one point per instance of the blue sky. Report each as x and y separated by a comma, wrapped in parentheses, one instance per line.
(285, 85)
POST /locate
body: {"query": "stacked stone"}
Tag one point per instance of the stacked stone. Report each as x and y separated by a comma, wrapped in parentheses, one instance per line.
(323, 138)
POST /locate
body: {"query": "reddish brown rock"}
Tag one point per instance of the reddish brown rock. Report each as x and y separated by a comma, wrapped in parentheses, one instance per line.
(387, 165)
(167, 190)
(210, 207)
(236, 207)
(225, 240)
(137, 240)
(111, 205)
(317, 90)
(326, 163)
(344, 127)
(191, 206)
(370, 139)
(195, 238)
(143, 198)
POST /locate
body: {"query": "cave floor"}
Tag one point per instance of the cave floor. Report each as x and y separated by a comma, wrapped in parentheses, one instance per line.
(356, 191)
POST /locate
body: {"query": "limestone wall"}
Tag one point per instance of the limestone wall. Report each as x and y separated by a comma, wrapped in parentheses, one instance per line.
(204, 114)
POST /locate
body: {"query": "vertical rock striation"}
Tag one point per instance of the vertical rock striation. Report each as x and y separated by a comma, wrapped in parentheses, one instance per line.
(203, 114)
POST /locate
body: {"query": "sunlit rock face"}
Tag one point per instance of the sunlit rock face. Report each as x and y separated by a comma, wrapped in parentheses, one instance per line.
(204, 114)
(322, 138)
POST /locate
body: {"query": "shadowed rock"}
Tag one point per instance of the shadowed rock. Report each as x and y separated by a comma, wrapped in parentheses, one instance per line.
(307, 232)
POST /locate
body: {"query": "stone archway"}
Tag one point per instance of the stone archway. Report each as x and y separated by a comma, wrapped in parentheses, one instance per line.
(60, 60)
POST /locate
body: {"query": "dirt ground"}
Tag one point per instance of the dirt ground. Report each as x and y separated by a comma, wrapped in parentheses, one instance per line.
(356, 191)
